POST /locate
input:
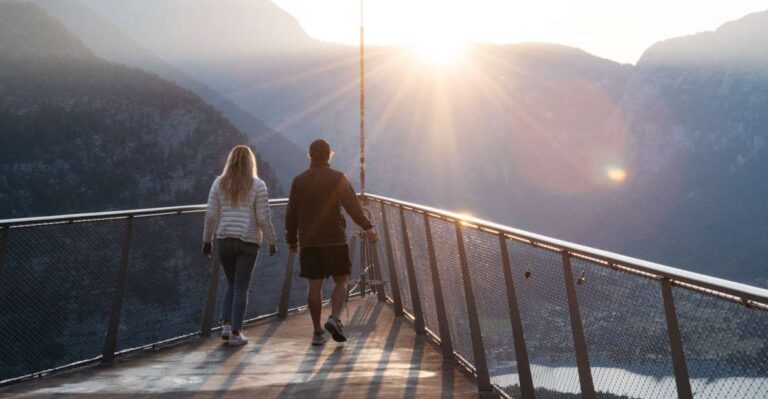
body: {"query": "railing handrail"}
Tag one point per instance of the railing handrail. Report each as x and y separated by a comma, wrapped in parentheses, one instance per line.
(743, 291)
(75, 217)
(746, 293)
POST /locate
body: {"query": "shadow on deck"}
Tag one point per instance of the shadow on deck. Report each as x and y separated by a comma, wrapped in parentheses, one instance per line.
(383, 358)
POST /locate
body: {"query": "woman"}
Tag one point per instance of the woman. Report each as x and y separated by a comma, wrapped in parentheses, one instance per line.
(238, 216)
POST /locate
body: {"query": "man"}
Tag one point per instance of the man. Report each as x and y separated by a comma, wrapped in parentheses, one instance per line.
(314, 212)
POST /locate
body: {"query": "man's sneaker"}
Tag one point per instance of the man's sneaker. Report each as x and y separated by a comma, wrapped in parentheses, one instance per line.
(333, 326)
(318, 338)
(238, 340)
(226, 331)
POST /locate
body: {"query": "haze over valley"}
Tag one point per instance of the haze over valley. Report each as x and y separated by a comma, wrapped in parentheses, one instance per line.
(665, 160)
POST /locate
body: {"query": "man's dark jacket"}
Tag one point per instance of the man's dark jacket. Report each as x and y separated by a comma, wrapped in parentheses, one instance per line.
(314, 208)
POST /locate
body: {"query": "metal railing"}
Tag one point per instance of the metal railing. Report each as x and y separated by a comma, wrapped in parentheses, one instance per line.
(530, 316)
(81, 289)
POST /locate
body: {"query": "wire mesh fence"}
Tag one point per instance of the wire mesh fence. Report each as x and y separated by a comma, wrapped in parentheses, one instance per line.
(55, 294)
(167, 280)
(623, 318)
(540, 286)
(418, 239)
(398, 249)
(377, 221)
(726, 345)
(620, 308)
(485, 264)
(58, 282)
(449, 268)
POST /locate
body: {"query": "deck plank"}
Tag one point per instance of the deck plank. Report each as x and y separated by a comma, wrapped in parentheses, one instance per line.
(383, 358)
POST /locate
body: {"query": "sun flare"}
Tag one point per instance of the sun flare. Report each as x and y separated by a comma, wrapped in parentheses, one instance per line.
(437, 51)
(617, 175)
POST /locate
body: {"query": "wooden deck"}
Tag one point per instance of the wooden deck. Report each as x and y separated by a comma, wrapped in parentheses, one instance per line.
(383, 358)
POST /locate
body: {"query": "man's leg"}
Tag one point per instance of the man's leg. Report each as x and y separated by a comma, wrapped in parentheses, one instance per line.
(315, 302)
(333, 325)
(339, 295)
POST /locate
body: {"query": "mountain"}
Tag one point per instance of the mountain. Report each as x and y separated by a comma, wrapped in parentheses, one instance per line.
(467, 138)
(528, 134)
(39, 34)
(111, 44)
(740, 44)
(82, 134)
(664, 160)
(223, 30)
(696, 107)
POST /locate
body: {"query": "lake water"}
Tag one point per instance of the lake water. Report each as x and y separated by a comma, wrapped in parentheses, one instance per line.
(623, 382)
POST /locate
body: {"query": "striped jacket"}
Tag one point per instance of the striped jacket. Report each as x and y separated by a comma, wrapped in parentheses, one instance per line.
(248, 221)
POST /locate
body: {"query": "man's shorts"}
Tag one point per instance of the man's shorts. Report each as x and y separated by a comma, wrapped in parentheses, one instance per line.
(320, 262)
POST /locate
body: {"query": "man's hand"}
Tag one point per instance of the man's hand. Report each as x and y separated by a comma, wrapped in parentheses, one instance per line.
(371, 235)
(272, 250)
(294, 247)
(207, 249)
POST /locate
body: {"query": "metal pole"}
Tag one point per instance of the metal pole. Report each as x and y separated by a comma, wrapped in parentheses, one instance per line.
(446, 345)
(362, 102)
(110, 342)
(382, 296)
(353, 239)
(521, 353)
(352, 246)
(418, 315)
(210, 301)
(478, 347)
(282, 312)
(396, 299)
(3, 243)
(675, 342)
(579, 341)
(363, 276)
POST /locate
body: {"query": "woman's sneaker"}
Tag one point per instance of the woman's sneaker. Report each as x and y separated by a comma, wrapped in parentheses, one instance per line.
(318, 338)
(238, 340)
(226, 331)
(333, 326)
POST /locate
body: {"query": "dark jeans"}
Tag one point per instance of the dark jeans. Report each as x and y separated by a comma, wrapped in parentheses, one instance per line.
(237, 259)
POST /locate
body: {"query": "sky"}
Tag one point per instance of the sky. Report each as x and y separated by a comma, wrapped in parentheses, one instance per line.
(619, 30)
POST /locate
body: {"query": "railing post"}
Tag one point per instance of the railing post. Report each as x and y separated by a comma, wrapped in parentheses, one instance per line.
(675, 342)
(380, 294)
(3, 243)
(478, 347)
(210, 301)
(446, 345)
(396, 299)
(352, 247)
(521, 352)
(353, 239)
(579, 341)
(418, 315)
(110, 342)
(282, 312)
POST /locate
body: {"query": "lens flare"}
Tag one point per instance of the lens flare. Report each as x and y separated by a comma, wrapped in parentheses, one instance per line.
(437, 51)
(618, 175)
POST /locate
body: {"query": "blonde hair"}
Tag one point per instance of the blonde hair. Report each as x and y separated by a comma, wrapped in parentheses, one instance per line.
(239, 172)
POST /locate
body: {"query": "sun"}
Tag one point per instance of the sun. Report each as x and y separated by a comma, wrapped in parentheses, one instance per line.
(437, 49)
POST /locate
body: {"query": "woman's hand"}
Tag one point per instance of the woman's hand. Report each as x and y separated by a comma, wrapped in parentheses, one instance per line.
(272, 250)
(207, 249)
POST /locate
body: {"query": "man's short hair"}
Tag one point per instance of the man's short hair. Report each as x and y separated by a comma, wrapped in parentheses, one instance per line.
(320, 151)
